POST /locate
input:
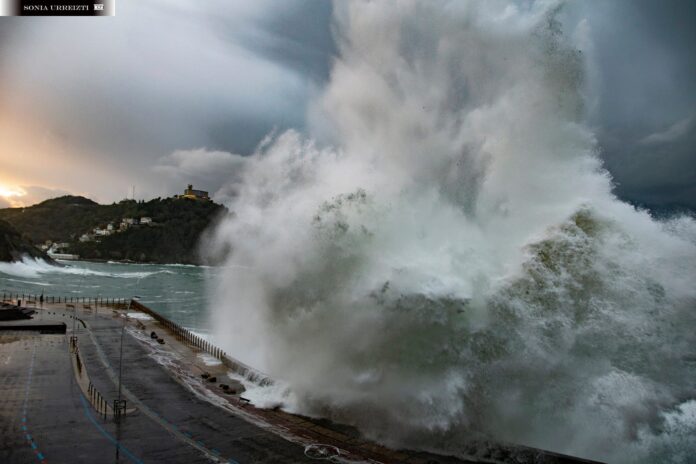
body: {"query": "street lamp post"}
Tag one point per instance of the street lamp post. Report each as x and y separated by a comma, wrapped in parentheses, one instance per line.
(82, 281)
(118, 403)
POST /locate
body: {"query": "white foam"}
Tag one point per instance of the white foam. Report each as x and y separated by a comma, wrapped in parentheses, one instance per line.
(209, 360)
(34, 268)
(454, 261)
(140, 316)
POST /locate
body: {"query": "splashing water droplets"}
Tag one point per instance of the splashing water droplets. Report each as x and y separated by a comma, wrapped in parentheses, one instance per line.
(457, 266)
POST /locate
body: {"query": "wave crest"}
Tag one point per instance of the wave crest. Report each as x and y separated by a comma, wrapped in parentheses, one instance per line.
(458, 266)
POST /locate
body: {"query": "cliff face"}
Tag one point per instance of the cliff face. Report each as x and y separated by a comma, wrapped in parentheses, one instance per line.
(13, 246)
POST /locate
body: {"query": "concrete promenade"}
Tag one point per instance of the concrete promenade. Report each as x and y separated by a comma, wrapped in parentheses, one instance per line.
(46, 417)
(51, 394)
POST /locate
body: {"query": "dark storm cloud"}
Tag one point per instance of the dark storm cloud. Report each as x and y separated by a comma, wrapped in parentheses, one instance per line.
(181, 76)
(645, 119)
(297, 34)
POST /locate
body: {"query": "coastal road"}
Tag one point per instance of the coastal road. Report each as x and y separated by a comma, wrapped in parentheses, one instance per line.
(44, 416)
(168, 405)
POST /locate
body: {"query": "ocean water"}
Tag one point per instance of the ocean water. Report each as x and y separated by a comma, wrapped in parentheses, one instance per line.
(176, 291)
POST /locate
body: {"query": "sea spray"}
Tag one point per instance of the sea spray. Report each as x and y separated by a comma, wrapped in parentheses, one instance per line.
(454, 265)
(34, 268)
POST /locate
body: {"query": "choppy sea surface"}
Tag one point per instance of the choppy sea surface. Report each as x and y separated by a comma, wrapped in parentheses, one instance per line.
(176, 291)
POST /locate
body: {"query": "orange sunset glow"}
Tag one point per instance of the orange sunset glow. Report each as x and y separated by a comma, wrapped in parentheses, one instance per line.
(12, 195)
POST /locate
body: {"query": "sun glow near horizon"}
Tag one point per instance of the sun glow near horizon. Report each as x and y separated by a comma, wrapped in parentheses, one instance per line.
(12, 195)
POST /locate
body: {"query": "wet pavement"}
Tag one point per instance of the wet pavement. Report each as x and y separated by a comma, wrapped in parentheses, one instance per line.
(60, 425)
(43, 416)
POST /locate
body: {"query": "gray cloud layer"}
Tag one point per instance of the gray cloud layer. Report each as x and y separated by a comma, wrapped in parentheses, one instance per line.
(645, 60)
(167, 80)
(165, 76)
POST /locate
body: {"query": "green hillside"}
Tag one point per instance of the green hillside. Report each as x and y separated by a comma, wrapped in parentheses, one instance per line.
(171, 238)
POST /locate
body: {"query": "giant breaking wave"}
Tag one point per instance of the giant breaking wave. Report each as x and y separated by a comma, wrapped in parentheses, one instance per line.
(455, 264)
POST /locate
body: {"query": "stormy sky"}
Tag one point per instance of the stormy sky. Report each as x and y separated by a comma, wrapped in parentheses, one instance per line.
(161, 94)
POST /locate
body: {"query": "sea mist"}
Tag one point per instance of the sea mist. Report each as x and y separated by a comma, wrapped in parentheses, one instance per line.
(453, 265)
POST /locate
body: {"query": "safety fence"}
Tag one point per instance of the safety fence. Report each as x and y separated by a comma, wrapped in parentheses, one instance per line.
(98, 401)
(32, 299)
(95, 397)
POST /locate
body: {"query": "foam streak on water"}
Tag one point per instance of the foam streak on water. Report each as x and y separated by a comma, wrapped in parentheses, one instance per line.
(457, 264)
(178, 292)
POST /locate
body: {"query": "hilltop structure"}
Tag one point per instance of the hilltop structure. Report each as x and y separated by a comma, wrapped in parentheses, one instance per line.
(192, 194)
(162, 230)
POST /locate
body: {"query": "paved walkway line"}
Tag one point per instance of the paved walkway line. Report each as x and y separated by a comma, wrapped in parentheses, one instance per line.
(106, 434)
(82, 379)
(25, 430)
(171, 428)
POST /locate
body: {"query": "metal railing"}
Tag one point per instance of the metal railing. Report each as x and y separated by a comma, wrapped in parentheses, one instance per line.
(31, 298)
(97, 400)
(95, 397)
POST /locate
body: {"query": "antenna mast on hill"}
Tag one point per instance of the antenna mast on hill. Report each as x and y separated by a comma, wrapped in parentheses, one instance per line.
(132, 192)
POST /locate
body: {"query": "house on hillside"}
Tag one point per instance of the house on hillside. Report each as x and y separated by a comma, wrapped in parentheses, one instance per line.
(127, 222)
(58, 251)
(145, 220)
(102, 232)
(192, 194)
